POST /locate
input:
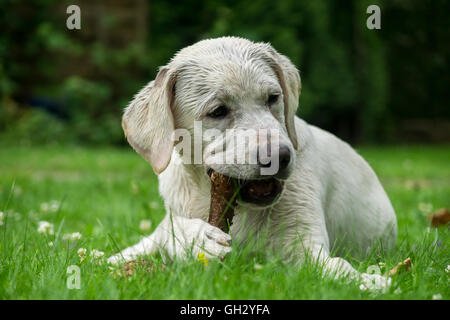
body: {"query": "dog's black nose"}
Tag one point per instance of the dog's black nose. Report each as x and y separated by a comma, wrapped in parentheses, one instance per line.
(284, 156)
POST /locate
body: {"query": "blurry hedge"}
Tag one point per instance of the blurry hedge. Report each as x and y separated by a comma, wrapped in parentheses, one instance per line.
(60, 86)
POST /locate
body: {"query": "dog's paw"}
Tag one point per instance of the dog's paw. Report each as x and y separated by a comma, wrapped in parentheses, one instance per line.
(216, 242)
(193, 236)
(124, 256)
(180, 238)
(374, 283)
(143, 247)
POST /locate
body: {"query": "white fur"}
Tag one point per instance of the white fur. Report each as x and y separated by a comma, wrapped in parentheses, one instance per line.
(332, 201)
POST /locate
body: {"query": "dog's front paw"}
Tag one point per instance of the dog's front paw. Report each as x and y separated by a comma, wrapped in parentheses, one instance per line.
(374, 282)
(147, 245)
(125, 256)
(217, 243)
(191, 237)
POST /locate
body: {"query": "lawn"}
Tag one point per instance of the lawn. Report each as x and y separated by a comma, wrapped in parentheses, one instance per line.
(105, 193)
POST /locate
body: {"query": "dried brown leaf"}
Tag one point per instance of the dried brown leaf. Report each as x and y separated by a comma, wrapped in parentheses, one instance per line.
(439, 218)
(403, 266)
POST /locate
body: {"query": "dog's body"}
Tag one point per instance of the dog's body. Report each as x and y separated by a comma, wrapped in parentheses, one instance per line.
(331, 201)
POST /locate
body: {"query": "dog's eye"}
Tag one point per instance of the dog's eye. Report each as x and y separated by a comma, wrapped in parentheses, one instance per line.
(219, 112)
(272, 99)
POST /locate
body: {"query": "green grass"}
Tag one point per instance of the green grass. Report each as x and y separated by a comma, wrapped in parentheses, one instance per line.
(104, 194)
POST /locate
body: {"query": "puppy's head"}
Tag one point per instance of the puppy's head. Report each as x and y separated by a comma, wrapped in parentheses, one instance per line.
(240, 97)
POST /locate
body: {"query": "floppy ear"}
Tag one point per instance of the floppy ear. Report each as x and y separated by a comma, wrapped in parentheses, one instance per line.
(148, 120)
(289, 79)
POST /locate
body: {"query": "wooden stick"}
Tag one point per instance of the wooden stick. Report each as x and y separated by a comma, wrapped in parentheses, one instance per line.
(223, 201)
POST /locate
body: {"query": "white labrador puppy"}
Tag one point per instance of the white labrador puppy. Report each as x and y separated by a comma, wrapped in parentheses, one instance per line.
(326, 199)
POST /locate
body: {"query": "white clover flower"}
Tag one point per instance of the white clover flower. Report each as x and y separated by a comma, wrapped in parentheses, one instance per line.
(437, 296)
(374, 283)
(81, 252)
(51, 206)
(145, 225)
(96, 254)
(154, 205)
(32, 215)
(72, 236)
(16, 215)
(425, 207)
(76, 236)
(17, 191)
(2, 215)
(447, 269)
(257, 266)
(44, 207)
(45, 228)
(374, 269)
(134, 187)
(50, 244)
(54, 205)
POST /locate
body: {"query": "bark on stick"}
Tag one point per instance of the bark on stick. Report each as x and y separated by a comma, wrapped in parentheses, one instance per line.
(223, 201)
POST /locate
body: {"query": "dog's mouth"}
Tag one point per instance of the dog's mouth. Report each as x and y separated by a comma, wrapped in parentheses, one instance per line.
(259, 191)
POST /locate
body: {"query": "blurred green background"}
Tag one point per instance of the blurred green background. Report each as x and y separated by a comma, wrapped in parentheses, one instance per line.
(62, 93)
(60, 86)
